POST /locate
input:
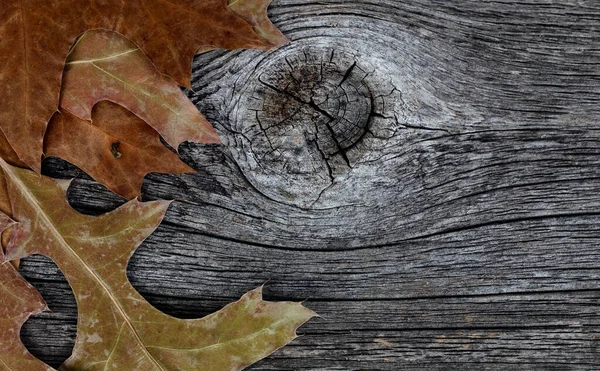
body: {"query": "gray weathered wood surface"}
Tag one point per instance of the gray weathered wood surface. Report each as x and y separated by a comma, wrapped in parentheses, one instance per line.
(425, 173)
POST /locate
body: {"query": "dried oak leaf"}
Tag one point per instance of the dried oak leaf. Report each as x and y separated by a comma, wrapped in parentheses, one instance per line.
(36, 35)
(117, 329)
(117, 148)
(19, 301)
(104, 65)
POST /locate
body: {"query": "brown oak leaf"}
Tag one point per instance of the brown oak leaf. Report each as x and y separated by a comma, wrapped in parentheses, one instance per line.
(117, 148)
(36, 36)
(117, 329)
(104, 65)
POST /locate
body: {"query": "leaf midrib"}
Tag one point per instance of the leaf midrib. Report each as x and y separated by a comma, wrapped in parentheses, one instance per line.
(83, 61)
(7, 366)
(221, 343)
(145, 92)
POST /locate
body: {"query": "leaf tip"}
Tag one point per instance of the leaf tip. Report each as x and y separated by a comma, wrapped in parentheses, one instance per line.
(301, 312)
(212, 137)
(33, 164)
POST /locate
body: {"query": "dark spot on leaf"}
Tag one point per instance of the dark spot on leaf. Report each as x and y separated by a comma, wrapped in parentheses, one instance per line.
(114, 149)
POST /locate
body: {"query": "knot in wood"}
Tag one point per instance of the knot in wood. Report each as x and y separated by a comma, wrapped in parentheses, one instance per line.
(324, 95)
(310, 107)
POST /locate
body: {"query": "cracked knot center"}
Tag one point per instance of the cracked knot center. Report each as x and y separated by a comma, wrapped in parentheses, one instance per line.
(309, 110)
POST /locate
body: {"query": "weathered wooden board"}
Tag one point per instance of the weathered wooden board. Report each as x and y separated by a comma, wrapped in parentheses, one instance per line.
(426, 174)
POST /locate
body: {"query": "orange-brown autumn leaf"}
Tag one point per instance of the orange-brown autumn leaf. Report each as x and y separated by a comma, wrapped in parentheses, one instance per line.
(117, 148)
(19, 300)
(117, 329)
(36, 36)
(104, 65)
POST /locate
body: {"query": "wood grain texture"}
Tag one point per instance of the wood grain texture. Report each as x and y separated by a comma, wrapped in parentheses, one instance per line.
(424, 173)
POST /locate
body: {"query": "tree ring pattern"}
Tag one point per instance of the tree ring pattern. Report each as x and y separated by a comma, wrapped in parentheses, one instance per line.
(303, 119)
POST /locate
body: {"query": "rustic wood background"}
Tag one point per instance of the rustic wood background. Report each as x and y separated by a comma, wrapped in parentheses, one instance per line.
(425, 174)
